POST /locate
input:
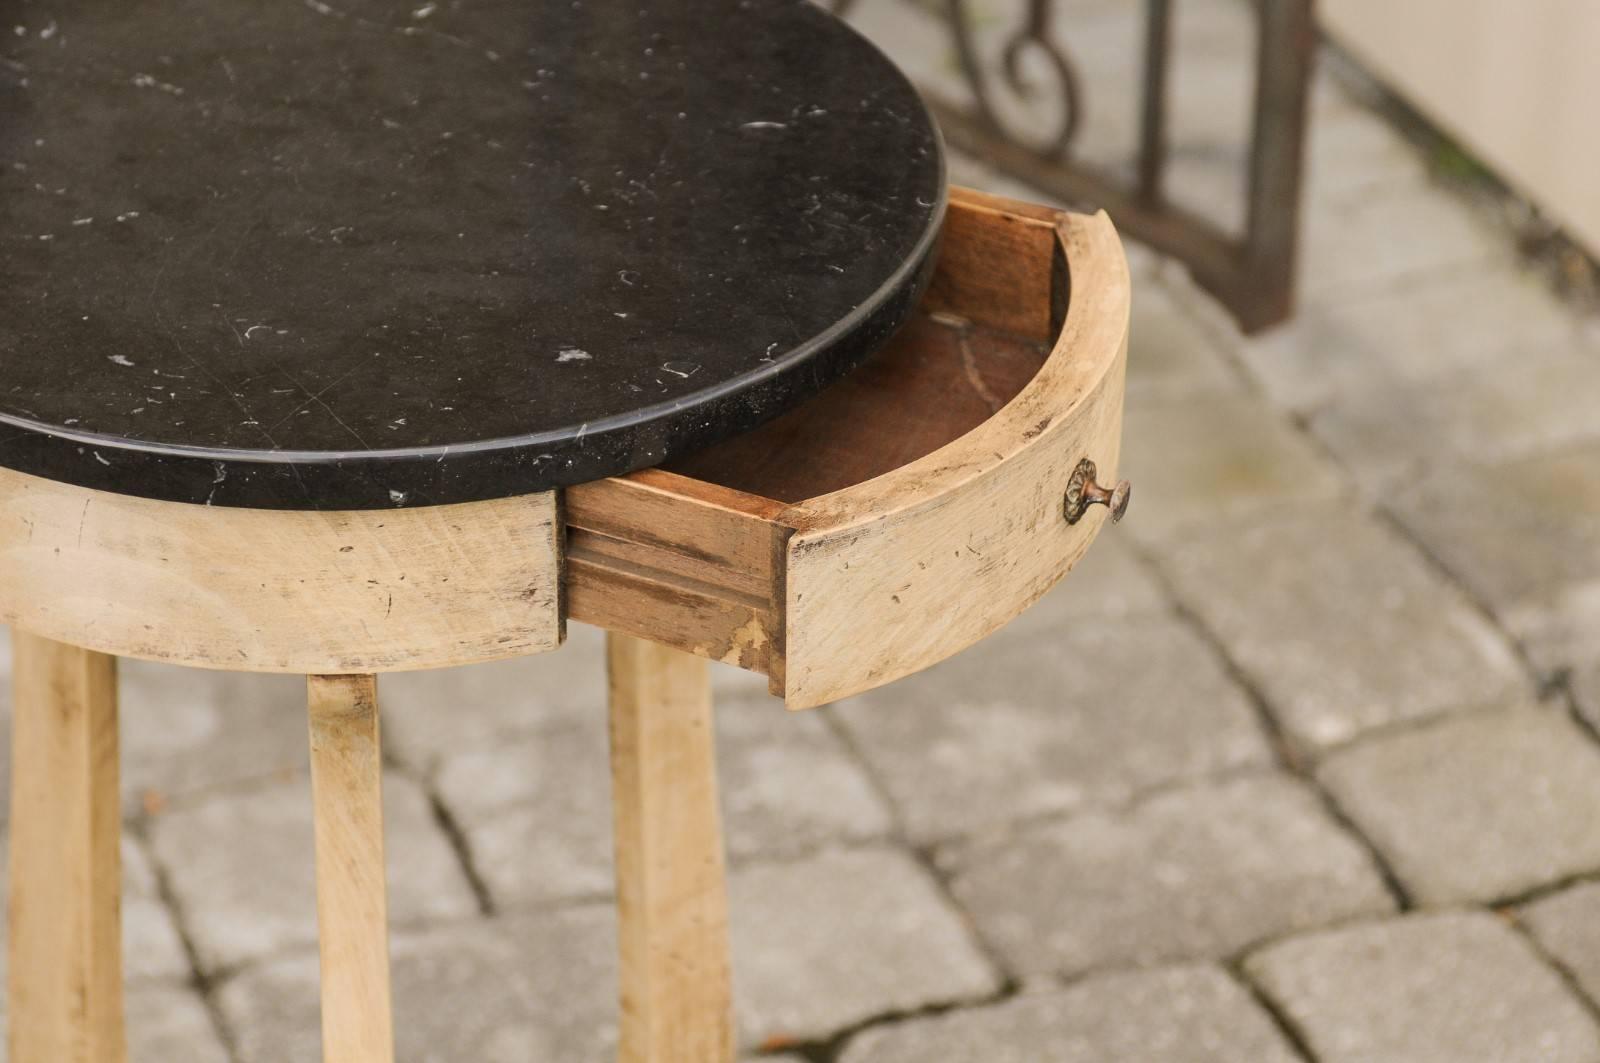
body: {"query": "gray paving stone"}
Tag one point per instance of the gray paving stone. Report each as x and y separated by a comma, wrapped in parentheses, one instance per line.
(1525, 537)
(1373, 243)
(1209, 459)
(1341, 624)
(1478, 807)
(1049, 722)
(1561, 632)
(1195, 873)
(537, 812)
(186, 731)
(1210, 177)
(1451, 987)
(1567, 926)
(535, 988)
(1170, 351)
(151, 947)
(1352, 154)
(1539, 402)
(241, 868)
(1194, 1014)
(1109, 582)
(170, 1024)
(1453, 322)
(824, 943)
(789, 785)
(1586, 693)
(428, 716)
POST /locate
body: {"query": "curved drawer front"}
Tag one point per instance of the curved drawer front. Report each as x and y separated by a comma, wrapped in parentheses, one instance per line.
(888, 578)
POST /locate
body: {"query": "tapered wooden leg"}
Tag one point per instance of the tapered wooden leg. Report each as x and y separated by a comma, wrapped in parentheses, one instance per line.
(65, 963)
(671, 895)
(352, 898)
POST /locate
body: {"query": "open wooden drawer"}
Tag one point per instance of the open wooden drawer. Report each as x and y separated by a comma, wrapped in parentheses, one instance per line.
(910, 509)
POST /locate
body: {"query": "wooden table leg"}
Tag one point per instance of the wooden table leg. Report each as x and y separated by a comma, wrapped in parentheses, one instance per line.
(352, 896)
(65, 964)
(671, 895)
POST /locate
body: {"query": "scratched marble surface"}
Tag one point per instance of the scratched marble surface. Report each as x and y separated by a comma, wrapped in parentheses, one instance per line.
(359, 254)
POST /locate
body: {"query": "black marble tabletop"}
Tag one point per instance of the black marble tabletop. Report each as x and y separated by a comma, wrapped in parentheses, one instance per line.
(353, 254)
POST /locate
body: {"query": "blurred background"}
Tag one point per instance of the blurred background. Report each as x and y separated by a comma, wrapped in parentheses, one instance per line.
(1300, 765)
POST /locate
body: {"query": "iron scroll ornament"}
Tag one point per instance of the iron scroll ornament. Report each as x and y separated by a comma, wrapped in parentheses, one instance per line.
(1032, 37)
(1249, 268)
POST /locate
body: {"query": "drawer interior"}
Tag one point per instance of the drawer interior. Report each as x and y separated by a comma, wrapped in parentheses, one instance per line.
(939, 378)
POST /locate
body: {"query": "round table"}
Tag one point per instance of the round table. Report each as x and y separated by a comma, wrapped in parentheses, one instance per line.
(329, 331)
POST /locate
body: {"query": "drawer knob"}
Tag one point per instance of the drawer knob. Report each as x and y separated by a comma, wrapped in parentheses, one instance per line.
(1083, 492)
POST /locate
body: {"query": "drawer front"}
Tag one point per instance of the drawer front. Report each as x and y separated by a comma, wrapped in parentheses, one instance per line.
(894, 575)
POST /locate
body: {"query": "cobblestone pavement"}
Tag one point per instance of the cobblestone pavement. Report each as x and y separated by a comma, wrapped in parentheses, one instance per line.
(1300, 765)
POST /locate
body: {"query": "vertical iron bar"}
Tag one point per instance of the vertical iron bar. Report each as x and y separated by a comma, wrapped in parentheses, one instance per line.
(1153, 107)
(1286, 49)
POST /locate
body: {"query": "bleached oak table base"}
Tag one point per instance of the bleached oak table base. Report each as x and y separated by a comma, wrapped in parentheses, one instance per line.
(65, 928)
(906, 513)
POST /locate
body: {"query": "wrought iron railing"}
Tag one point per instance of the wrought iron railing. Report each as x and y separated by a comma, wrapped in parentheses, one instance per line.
(1252, 272)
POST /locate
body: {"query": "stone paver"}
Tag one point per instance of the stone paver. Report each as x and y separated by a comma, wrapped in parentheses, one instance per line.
(1476, 808)
(1524, 536)
(1527, 405)
(428, 716)
(241, 868)
(789, 786)
(1196, 873)
(1586, 693)
(170, 1024)
(1567, 926)
(1452, 987)
(825, 943)
(1208, 459)
(534, 988)
(1170, 352)
(537, 812)
(1351, 154)
(1380, 242)
(1459, 321)
(151, 946)
(1192, 1014)
(1045, 722)
(186, 731)
(1341, 624)
(1110, 581)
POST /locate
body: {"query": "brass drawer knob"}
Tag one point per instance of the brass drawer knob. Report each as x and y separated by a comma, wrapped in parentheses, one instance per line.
(1083, 492)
